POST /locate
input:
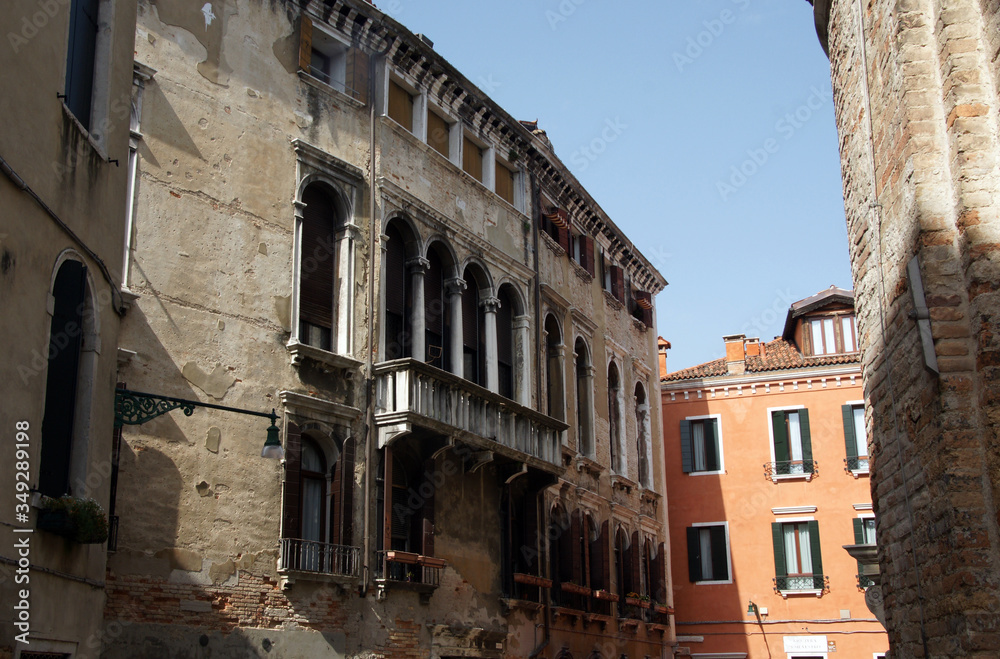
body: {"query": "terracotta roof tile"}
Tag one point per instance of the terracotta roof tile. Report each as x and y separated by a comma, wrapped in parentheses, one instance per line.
(778, 355)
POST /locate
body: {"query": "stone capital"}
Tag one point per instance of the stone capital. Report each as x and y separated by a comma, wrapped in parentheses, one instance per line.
(418, 265)
(490, 304)
(455, 286)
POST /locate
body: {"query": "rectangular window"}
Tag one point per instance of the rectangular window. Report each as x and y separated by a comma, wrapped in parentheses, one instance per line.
(847, 331)
(400, 105)
(798, 562)
(472, 159)
(80, 55)
(438, 131)
(830, 335)
(855, 437)
(504, 183)
(708, 553)
(792, 443)
(864, 534)
(701, 449)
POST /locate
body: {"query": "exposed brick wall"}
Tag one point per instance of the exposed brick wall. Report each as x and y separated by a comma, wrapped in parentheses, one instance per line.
(932, 69)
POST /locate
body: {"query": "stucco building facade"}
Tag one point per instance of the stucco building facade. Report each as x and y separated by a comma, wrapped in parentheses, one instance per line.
(63, 157)
(333, 222)
(916, 95)
(767, 480)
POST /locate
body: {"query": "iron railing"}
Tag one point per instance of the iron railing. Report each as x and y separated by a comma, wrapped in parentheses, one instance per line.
(806, 582)
(426, 570)
(319, 557)
(807, 468)
(859, 463)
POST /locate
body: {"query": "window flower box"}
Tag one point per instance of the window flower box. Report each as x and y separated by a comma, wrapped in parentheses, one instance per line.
(605, 595)
(431, 561)
(638, 601)
(532, 580)
(575, 589)
(402, 557)
(662, 609)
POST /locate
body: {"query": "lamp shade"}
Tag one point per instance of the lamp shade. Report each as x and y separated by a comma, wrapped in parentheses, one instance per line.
(272, 446)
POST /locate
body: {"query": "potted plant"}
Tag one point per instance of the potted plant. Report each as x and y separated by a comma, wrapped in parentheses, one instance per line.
(81, 520)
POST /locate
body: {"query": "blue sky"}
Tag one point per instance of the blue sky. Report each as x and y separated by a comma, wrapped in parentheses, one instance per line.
(723, 167)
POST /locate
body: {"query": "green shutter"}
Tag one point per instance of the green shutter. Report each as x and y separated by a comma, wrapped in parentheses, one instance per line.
(850, 439)
(817, 555)
(781, 452)
(694, 554)
(687, 453)
(712, 462)
(807, 449)
(859, 531)
(777, 535)
(720, 564)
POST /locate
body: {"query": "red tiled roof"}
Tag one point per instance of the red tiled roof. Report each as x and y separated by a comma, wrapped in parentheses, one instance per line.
(778, 355)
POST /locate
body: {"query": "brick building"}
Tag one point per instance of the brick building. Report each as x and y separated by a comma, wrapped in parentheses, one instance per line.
(333, 222)
(757, 553)
(916, 94)
(65, 94)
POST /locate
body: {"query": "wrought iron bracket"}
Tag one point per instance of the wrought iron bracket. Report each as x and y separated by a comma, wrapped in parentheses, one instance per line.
(133, 408)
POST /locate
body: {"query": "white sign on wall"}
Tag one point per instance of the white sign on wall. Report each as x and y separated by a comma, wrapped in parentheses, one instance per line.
(805, 644)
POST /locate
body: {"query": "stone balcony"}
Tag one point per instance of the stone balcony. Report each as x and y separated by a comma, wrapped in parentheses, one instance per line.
(411, 394)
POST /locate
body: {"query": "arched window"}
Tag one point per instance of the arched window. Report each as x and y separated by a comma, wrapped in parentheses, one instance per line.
(473, 329)
(584, 399)
(648, 572)
(68, 382)
(553, 371)
(615, 418)
(623, 566)
(317, 275)
(437, 322)
(398, 297)
(643, 448)
(506, 341)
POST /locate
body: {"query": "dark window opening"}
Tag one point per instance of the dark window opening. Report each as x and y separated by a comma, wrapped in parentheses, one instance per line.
(316, 268)
(80, 59)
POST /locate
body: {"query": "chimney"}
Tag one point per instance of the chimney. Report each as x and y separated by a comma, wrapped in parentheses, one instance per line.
(662, 346)
(754, 347)
(736, 357)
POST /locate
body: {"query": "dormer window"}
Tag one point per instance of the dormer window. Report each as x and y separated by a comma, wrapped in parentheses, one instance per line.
(829, 335)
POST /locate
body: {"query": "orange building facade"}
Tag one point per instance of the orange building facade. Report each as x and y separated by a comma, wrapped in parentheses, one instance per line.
(767, 481)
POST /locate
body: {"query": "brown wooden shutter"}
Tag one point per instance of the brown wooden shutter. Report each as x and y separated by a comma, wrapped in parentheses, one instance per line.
(588, 255)
(504, 183)
(575, 531)
(400, 106)
(428, 512)
(617, 283)
(316, 267)
(387, 498)
(530, 530)
(565, 239)
(437, 134)
(472, 159)
(291, 518)
(305, 43)
(658, 586)
(605, 555)
(346, 504)
(635, 561)
(357, 73)
(336, 500)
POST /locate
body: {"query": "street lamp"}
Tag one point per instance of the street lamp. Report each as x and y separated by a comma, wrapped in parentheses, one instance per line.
(133, 408)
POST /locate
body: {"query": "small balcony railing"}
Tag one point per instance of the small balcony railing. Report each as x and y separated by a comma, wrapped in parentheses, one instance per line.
(413, 393)
(856, 465)
(407, 567)
(319, 558)
(807, 469)
(812, 583)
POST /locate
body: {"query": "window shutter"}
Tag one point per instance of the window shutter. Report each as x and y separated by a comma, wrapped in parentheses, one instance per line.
(428, 512)
(850, 440)
(400, 106)
(777, 535)
(617, 283)
(599, 570)
(635, 561)
(576, 528)
(530, 530)
(316, 267)
(720, 562)
(588, 255)
(564, 548)
(781, 452)
(565, 238)
(687, 450)
(347, 492)
(69, 293)
(807, 449)
(357, 73)
(305, 43)
(817, 554)
(694, 554)
(712, 462)
(658, 586)
(859, 530)
(291, 520)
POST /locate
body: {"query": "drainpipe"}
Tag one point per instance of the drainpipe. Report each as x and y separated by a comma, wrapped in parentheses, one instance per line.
(547, 612)
(536, 214)
(373, 240)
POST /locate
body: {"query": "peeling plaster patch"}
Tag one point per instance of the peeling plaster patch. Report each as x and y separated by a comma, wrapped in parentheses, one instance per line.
(222, 325)
(204, 489)
(262, 248)
(215, 385)
(213, 439)
(303, 120)
(222, 572)
(283, 309)
(286, 50)
(208, 13)
(183, 560)
(253, 93)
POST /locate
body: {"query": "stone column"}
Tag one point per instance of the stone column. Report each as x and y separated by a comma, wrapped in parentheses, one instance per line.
(343, 333)
(454, 288)
(490, 306)
(418, 323)
(522, 361)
